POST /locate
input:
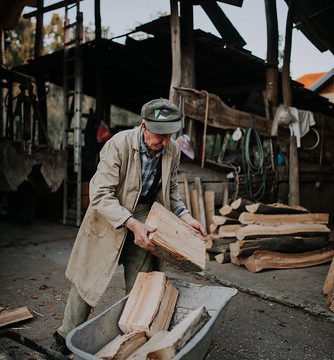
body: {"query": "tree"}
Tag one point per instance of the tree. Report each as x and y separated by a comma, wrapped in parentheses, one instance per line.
(20, 43)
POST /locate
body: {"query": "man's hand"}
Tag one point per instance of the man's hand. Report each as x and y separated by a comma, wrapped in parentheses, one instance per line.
(188, 219)
(140, 232)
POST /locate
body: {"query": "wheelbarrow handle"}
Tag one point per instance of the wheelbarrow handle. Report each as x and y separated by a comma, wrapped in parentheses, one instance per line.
(52, 354)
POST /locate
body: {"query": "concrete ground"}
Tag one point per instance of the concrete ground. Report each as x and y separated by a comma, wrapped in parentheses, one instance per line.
(277, 314)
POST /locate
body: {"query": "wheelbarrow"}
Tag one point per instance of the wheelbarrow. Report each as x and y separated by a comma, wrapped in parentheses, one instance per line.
(88, 338)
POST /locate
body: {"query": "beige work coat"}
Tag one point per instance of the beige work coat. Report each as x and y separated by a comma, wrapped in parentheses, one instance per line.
(114, 192)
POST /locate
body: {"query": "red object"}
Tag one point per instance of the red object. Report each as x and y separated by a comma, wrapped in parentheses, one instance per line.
(103, 133)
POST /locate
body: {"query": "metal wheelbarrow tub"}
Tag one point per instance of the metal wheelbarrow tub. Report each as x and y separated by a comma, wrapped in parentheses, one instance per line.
(88, 338)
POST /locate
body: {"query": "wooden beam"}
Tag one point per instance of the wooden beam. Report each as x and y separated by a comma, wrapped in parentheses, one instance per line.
(221, 116)
(263, 259)
(188, 75)
(176, 50)
(223, 25)
(50, 8)
(271, 93)
(294, 197)
(97, 10)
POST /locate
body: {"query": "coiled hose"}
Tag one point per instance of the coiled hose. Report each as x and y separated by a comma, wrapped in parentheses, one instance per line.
(253, 162)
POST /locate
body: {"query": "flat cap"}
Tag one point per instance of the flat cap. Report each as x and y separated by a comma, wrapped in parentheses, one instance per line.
(161, 116)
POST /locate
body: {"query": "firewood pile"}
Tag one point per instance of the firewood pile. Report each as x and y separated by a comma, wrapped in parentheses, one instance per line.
(269, 236)
(146, 318)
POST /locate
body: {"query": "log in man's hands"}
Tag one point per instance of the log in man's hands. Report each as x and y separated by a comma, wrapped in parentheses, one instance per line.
(140, 232)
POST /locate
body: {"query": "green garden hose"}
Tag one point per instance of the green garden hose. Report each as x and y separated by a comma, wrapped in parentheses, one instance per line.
(253, 166)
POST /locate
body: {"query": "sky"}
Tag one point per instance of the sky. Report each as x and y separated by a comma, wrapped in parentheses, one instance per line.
(124, 15)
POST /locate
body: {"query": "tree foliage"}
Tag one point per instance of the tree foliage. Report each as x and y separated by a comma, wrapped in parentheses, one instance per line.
(20, 43)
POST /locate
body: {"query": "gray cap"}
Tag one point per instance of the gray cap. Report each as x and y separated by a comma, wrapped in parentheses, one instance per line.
(161, 116)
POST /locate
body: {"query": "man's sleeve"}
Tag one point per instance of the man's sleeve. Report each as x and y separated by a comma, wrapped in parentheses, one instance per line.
(103, 186)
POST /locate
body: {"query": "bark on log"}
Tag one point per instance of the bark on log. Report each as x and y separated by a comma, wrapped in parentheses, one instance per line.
(223, 258)
(223, 220)
(255, 231)
(285, 244)
(263, 259)
(175, 241)
(276, 208)
(240, 204)
(229, 231)
(228, 211)
(247, 218)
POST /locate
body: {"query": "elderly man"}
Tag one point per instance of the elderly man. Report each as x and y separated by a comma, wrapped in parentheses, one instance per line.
(137, 167)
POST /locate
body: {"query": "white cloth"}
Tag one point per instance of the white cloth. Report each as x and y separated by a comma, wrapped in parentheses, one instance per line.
(299, 121)
(301, 126)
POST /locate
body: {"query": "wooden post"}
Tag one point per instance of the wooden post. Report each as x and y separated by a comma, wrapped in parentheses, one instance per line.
(271, 97)
(97, 9)
(199, 189)
(40, 82)
(195, 204)
(188, 78)
(187, 192)
(209, 201)
(176, 50)
(225, 193)
(287, 101)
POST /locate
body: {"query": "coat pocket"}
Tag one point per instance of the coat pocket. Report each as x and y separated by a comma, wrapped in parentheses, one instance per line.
(98, 224)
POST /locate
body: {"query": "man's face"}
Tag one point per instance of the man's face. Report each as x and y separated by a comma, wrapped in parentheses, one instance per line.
(155, 142)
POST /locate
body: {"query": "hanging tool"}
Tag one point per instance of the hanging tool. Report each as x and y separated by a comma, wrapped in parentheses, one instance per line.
(252, 168)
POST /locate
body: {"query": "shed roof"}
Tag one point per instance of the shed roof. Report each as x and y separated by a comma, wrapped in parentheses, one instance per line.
(138, 71)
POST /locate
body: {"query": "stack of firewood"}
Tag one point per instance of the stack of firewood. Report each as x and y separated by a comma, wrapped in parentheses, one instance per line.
(267, 236)
(146, 318)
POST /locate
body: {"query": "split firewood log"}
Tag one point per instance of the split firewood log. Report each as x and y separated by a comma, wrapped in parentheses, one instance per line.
(247, 218)
(285, 244)
(263, 259)
(122, 346)
(150, 305)
(179, 335)
(13, 316)
(175, 241)
(276, 208)
(256, 231)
